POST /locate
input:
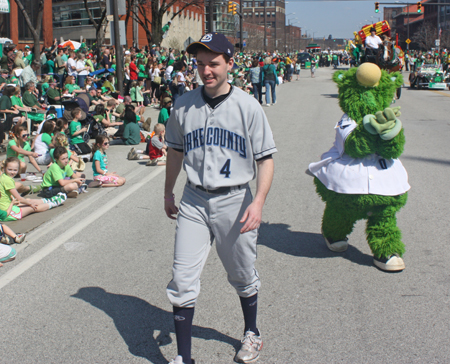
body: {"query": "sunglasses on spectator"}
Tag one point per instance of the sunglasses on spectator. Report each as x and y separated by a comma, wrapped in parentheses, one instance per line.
(25, 135)
(107, 143)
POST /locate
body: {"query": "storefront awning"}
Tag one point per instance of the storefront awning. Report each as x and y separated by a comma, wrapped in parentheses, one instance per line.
(4, 6)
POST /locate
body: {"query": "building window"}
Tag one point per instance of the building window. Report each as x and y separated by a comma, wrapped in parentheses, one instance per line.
(256, 14)
(273, 3)
(273, 13)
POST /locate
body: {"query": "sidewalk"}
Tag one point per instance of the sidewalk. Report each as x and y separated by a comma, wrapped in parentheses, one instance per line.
(117, 159)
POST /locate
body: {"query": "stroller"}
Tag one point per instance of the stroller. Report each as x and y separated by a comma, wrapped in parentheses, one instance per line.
(93, 127)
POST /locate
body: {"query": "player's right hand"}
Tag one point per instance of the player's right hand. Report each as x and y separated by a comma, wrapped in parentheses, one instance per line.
(171, 209)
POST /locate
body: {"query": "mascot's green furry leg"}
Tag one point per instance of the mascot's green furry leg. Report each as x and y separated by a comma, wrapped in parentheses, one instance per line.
(383, 235)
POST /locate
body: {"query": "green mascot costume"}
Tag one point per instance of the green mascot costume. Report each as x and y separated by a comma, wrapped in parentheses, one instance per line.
(360, 177)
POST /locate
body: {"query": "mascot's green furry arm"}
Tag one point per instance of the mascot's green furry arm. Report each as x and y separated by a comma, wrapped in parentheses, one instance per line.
(360, 177)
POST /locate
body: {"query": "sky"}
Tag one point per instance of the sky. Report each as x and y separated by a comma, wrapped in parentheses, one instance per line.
(338, 18)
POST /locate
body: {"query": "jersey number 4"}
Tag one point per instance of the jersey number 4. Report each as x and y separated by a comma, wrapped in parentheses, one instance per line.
(226, 169)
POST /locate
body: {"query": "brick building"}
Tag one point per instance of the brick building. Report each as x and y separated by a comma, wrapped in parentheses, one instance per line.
(273, 16)
(13, 25)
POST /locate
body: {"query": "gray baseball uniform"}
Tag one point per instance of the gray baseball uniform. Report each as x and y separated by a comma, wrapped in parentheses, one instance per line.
(220, 147)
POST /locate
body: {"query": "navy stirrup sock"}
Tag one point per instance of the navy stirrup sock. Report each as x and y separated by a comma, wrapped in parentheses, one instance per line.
(250, 310)
(182, 318)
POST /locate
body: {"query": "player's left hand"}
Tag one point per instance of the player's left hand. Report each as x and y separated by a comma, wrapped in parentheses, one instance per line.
(252, 217)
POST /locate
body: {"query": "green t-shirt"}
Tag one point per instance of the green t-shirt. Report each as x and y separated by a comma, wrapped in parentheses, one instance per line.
(51, 94)
(54, 174)
(120, 108)
(44, 88)
(103, 159)
(142, 72)
(6, 185)
(74, 127)
(3, 215)
(71, 87)
(5, 103)
(46, 138)
(132, 134)
(12, 153)
(16, 101)
(50, 66)
(29, 99)
(64, 57)
(163, 116)
(59, 65)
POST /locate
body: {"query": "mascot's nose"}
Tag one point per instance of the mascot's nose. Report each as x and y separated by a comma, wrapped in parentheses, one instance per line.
(368, 74)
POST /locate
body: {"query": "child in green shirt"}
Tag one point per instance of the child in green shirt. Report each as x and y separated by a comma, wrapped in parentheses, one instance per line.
(55, 181)
(76, 134)
(9, 190)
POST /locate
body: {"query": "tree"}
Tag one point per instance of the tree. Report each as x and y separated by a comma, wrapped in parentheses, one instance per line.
(35, 29)
(149, 15)
(425, 36)
(100, 25)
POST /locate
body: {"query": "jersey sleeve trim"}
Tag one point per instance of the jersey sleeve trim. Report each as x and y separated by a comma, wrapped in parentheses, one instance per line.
(264, 153)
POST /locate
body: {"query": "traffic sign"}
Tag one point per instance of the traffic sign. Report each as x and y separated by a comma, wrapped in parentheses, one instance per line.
(437, 42)
(408, 41)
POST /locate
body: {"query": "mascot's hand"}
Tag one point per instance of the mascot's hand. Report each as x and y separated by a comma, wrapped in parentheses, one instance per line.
(384, 123)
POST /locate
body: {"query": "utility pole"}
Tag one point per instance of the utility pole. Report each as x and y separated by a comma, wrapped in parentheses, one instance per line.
(119, 57)
(211, 16)
(241, 30)
(265, 26)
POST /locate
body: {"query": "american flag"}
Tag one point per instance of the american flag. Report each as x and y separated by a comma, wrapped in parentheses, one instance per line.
(440, 31)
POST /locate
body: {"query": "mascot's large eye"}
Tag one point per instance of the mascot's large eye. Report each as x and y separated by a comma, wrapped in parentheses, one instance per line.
(393, 79)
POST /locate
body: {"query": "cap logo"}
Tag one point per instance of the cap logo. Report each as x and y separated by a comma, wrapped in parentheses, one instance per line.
(206, 38)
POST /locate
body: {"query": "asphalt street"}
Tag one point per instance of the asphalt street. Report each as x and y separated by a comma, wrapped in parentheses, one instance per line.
(89, 285)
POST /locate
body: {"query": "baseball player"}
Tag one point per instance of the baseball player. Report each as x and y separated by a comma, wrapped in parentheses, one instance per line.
(223, 139)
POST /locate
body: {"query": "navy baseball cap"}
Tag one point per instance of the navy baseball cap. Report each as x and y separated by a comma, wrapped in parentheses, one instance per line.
(215, 42)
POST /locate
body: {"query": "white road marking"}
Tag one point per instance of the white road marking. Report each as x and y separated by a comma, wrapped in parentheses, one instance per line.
(22, 267)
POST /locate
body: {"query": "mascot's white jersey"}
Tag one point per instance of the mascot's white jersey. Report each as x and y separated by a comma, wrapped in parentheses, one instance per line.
(369, 175)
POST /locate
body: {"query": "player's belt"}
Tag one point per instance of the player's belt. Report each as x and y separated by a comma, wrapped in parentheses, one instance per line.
(217, 191)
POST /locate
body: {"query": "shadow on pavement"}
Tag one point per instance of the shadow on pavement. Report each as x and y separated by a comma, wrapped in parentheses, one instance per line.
(330, 96)
(136, 320)
(428, 160)
(301, 244)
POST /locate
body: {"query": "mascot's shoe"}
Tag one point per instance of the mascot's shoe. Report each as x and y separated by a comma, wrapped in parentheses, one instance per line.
(336, 246)
(393, 263)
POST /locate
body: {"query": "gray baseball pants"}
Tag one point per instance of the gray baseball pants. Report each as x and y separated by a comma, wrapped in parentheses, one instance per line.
(202, 218)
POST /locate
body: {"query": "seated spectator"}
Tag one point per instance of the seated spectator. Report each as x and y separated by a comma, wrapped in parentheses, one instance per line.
(44, 85)
(9, 190)
(165, 111)
(76, 134)
(55, 181)
(29, 99)
(19, 147)
(100, 165)
(132, 132)
(60, 140)
(18, 61)
(53, 95)
(103, 116)
(156, 150)
(43, 143)
(3, 79)
(71, 86)
(10, 111)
